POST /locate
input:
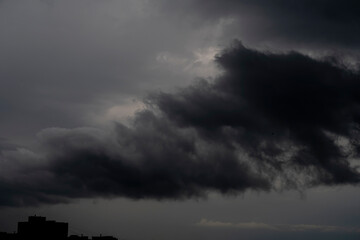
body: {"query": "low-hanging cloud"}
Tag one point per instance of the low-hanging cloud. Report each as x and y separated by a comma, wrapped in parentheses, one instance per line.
(277, 227)
(268, 122)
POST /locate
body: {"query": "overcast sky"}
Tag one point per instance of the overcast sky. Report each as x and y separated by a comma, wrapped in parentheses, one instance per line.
(154, 119)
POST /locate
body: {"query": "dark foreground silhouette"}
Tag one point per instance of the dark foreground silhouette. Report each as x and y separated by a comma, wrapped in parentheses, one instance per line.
(38, 228)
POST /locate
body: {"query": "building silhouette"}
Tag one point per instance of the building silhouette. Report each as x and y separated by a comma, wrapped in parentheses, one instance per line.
(8, 236)
(38, 228)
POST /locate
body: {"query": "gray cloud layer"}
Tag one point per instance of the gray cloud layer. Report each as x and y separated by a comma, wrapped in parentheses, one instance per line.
(317, 25)
(269, 122)
(61, 62)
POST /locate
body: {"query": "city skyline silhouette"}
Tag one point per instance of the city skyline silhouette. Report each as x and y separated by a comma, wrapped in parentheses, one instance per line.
(39, 228)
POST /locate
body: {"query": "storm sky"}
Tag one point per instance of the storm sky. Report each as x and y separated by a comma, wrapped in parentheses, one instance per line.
(182, 119)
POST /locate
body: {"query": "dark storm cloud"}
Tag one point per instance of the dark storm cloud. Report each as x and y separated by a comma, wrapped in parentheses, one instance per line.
(153, 159)
(270, 104)
(308, 22)
(269, 122)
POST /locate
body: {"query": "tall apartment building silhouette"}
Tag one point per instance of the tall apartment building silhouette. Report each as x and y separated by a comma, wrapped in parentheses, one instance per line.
(38, 228)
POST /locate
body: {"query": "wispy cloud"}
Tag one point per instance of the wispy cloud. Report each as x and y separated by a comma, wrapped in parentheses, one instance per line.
(277, 227)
